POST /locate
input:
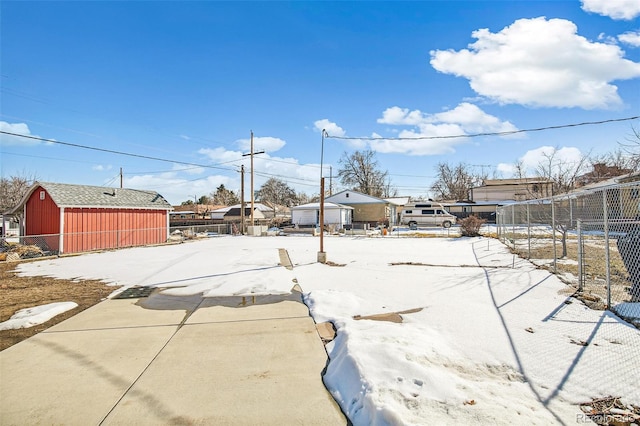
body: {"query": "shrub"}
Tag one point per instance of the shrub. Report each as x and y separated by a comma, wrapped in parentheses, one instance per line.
(470, 226)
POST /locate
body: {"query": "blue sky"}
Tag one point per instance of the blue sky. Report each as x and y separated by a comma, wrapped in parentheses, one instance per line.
(187, 82)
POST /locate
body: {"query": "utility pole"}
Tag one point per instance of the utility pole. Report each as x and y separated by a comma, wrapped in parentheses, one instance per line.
(322, 256)
(121, 178)
(242, 199)
(252, 191)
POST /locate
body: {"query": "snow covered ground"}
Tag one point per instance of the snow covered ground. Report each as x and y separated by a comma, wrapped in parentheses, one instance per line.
(492, 339)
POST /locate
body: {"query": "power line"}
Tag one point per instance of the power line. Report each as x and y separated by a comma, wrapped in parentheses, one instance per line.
(48, 158)
(128, 154)
(473, 135)
(299, 181)
(157, 172)
(111, 151)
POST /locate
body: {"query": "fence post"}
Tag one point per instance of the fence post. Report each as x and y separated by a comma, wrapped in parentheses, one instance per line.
(580, 257)
(605, 212)
(529, 231)
(570, 212)
(553, 233)
(513, 225)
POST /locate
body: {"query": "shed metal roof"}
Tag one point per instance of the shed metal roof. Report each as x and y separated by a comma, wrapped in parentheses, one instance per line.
(69, 195)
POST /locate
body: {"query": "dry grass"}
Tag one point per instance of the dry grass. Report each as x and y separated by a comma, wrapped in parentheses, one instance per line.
(595, 267)
(26, 292)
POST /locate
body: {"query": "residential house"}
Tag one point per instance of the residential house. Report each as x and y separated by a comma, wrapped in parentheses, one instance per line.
(500, 190)
(261, 213)
(367, 209)
(337, 215)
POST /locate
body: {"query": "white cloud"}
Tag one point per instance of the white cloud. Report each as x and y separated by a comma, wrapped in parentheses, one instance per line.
(466, 118)
(533, 159)
(102, 168)
(263, 143)
(176, 189)
(190, 170)
(402, 116)
(330, 127)
(541, 63)
(421, 146)
(473, 119)
(631, 38)
(301, 177)
(18, 128)
(333, 129)
(615, 9)
(221, 155)
(506, 169)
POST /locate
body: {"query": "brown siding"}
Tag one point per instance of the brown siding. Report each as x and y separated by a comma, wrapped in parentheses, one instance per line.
(368, 212)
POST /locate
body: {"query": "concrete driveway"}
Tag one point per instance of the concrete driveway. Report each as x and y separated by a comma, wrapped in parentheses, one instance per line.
(172, 360)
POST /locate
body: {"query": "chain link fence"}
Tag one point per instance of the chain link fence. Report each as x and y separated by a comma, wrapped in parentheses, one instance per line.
(201, 231)
(590, 239)
(34, 246)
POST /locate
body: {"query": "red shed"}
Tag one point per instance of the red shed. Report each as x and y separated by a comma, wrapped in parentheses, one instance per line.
(78, 218)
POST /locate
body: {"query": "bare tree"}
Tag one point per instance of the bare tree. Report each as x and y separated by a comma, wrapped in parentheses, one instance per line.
(609, 165)
(12, 190)
(359, 171)
(389, 191)
(224, 196)
(303, 198)
(277, 192)
(564, 174)
(204, 200)
(455, 182)
(632, 148)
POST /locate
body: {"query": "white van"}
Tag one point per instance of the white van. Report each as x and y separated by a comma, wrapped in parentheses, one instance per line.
(428, 214)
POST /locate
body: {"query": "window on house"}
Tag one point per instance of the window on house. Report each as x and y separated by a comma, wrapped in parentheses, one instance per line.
(42, 195)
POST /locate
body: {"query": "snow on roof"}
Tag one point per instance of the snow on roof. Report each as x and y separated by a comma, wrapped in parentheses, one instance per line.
(312, 206)
(398, 201)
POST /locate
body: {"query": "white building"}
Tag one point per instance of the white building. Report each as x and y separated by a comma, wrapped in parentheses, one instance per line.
(335, 214)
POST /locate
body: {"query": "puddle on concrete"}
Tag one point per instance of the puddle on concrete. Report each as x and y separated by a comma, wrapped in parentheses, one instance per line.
(244, 301)
(163, 302)
(160, 301)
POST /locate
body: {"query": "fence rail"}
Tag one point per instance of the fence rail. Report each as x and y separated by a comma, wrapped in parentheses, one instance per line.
(32, 246)
(590, 239)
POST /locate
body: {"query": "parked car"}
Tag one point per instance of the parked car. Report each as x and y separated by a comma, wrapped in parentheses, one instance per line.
(426, 214)
(275, 231)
